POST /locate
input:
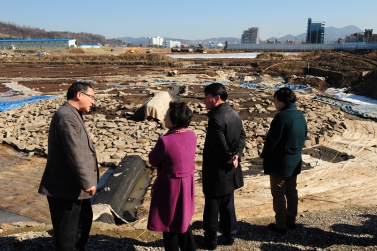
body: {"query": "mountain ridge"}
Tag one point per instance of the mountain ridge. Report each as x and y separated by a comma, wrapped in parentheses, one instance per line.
(11, 30)
(331, 34)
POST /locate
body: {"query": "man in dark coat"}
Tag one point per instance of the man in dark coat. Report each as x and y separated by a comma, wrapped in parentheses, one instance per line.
(71, 174)
(282, 158)
(222, 174)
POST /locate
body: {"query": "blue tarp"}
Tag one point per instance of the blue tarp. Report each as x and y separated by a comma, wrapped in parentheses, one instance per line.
(8, 105)
(364, 111)
(223, 83)
(290, 86)
(295, 87)
(164, 81)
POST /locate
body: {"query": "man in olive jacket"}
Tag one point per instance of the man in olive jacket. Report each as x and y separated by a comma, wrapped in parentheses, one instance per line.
(71, 174)
(282, 158)
(222, 174)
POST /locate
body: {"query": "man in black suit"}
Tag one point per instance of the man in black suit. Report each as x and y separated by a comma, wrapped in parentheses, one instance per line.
(222, 174)
(71, 174)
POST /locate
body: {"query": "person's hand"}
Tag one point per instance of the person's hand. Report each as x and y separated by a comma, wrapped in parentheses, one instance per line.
(91, 191)
(235, 161)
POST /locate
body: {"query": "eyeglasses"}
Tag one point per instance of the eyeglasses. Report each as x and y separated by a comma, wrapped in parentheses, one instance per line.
(90, 96)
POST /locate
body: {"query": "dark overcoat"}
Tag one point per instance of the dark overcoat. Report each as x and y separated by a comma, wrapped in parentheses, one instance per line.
(71, 160)
(225, 138)
(282, 151)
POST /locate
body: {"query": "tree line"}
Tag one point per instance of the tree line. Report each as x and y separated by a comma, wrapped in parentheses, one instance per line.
(14, 31)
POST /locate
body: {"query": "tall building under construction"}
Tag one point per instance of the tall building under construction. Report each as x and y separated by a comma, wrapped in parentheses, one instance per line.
(250, 36)
(315, 33)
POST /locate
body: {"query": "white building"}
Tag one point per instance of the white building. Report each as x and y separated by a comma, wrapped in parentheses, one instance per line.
(158, 41)
(216, 46)
(44, 43)
(172, 44)
(89, 46)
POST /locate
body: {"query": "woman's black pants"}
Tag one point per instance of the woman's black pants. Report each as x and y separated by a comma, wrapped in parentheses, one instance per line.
(184, 241)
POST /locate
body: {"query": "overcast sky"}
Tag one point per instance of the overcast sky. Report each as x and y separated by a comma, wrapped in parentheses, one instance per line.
(194, 19)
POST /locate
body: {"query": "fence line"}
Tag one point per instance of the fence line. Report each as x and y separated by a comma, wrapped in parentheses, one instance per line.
(301, 47)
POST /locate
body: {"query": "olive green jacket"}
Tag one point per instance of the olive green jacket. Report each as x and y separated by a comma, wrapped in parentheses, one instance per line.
(284, 142)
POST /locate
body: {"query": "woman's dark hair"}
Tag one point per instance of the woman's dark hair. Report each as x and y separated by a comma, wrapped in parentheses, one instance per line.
(180, 114)
(76, 88)
(285, 95)
(216, 89)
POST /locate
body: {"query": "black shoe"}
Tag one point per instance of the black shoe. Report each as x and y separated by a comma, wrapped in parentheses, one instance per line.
(273, 228)
(207, 246)
(228, 242)
(290, 226)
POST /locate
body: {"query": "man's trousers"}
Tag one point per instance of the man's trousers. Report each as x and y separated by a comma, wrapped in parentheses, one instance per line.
(71, 221)
(223, 206)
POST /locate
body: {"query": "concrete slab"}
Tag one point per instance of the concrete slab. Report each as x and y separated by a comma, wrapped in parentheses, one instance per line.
(9, 217)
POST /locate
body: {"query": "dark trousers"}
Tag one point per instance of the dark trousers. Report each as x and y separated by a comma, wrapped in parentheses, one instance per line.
(223, 205)
(175, 241)
(71, 221)
(285, 200)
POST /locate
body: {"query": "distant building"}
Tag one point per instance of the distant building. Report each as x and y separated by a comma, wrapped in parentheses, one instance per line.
(250, 36)
(362, 37)
(172, 44)
(315, 33)
(216, 46)
(369, 36)
(156, 41)
(44, 43)
(89, 46)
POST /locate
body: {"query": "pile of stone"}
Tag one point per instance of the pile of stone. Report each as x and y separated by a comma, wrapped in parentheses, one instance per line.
(324, 121)
(26, 128)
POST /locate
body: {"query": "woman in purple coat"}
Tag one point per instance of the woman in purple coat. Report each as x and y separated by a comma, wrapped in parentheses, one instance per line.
(172, 203)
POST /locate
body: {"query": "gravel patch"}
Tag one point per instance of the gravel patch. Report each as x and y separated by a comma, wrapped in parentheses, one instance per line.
(347, 229)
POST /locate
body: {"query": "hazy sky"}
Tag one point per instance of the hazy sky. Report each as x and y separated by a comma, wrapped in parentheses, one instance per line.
(193, 19)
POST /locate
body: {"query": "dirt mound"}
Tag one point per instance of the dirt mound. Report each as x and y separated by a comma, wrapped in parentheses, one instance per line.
(318, 84)
(77, 51)
(368, 87)
(271, 56)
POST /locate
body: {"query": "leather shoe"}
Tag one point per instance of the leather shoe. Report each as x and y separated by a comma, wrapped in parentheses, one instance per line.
(273, 228)
(207, 246)
(290, 226)
(228, 242)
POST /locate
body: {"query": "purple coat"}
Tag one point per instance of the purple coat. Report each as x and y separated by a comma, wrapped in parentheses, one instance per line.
(172, 203)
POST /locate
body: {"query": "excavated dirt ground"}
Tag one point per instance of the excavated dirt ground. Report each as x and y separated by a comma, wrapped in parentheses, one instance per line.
(337, 182)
